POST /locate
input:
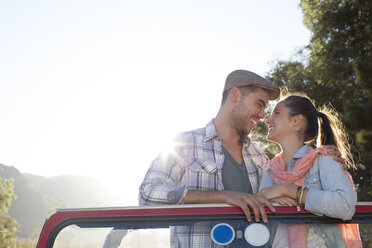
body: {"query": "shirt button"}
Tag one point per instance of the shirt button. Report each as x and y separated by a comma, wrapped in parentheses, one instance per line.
(314, 179)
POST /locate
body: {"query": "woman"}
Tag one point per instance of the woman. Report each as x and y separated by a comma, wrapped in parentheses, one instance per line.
(309, 177)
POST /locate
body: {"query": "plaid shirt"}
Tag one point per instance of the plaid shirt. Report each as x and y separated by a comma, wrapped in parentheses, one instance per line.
(195, 164)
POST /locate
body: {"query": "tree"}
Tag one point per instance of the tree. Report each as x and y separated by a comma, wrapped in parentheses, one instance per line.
(336, 68)
(8, 226)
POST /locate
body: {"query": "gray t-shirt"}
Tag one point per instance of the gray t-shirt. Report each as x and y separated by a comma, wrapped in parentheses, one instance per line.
(235, 176)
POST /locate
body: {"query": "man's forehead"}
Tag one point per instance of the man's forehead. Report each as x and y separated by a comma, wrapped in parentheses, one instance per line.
(263, 96)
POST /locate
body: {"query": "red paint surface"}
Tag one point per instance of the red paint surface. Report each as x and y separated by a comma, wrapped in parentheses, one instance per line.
(57, 218)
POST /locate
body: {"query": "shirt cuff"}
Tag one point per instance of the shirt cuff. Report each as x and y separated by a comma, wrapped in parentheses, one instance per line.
(177, 196)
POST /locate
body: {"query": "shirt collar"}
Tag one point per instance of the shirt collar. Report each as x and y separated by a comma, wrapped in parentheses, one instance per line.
(211, 133)
(301, 152)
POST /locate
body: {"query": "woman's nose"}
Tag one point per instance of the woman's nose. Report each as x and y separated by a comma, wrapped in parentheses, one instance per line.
(268, 120)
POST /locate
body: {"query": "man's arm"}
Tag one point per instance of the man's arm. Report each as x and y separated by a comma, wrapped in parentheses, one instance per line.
(235, 198)
(161, 182)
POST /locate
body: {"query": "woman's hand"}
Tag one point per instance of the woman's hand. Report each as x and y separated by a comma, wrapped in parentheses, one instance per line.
(285, 201)
(279, 191)
(275, 191)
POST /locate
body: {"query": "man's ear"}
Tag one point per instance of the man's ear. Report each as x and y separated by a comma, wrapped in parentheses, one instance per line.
(235, 95)
(298, 121)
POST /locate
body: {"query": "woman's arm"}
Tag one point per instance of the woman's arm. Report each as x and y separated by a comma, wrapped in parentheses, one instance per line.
(336, 197)
(276, 193)
(329, 191)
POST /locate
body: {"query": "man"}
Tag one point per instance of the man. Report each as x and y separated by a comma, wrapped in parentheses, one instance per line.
(217, 163)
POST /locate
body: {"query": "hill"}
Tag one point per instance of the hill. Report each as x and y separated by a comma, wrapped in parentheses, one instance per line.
(38, 197)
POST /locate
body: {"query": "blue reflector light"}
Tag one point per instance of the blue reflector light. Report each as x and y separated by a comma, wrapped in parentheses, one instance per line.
(222, 234)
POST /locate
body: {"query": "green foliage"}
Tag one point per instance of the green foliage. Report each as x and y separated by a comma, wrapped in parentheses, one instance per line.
(362, 138)
(31, 241)
(336, 68)
(8, 226)
(259, 136)
(366, 234)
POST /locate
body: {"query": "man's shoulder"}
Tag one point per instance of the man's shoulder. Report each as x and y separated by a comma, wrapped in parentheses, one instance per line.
(257, 155)
(192, 134)
(255, 149)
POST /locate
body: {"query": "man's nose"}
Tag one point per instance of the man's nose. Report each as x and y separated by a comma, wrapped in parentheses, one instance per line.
(262, 114)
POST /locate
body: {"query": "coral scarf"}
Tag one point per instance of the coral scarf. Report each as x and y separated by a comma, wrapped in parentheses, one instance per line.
(297, 234)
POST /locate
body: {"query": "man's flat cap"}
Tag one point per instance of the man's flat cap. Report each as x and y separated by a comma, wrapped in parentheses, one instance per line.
(240, 78)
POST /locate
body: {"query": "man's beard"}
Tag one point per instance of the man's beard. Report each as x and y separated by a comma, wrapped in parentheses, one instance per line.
(241, 127)
(240, 124)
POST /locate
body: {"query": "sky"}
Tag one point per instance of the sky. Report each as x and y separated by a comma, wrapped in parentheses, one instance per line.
(98, 88)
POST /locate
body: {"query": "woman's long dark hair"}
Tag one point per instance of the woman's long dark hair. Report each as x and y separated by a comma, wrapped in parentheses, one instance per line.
(323, 125)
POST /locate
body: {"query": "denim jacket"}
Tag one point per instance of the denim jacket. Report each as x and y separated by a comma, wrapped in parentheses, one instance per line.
(330, 191)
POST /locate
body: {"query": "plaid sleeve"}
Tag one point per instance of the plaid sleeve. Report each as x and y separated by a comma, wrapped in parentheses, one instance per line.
(161, 183)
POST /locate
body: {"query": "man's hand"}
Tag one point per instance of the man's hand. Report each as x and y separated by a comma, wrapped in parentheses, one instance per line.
(235, 198)
(335, 153)
(246, 201)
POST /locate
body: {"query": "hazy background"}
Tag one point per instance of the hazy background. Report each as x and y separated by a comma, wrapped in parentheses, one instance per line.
(99, 88)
